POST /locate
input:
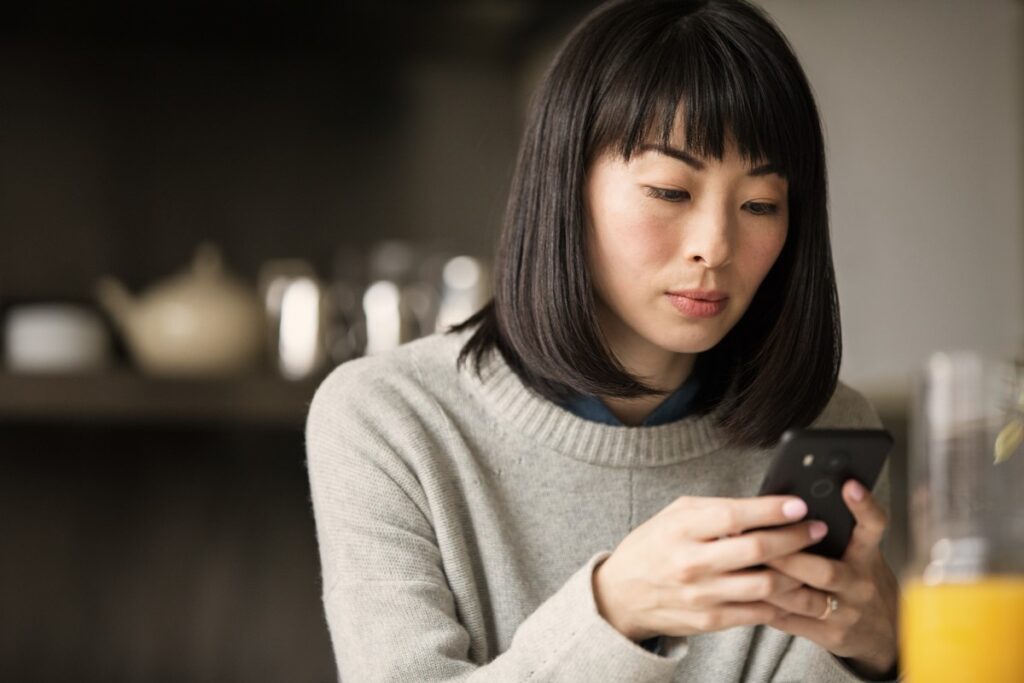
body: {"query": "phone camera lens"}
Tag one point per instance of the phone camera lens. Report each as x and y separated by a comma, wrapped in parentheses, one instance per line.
(822, 488)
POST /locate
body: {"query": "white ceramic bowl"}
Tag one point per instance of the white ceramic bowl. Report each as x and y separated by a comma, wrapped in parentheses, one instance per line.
(55, 338)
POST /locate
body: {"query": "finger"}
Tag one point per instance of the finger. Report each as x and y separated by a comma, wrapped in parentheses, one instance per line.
(802, 601)
(823, 573)
(870, 518)
(756, 547)
(728, 516)
(813, 629)
(696, 502)
(740, 586)
(724, 616)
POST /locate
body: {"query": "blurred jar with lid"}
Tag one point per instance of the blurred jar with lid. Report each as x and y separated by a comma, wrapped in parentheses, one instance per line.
(345, 335)
(296, 309)
(393, 296)
(465, 289)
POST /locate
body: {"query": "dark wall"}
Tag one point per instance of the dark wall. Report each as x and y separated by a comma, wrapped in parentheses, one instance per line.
(129, 133)
(122, 160)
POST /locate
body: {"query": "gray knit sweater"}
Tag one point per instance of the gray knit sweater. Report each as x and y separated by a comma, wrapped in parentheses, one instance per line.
(459, 520)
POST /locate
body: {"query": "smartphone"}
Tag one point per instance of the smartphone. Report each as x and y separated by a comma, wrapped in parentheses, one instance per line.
(814, 464)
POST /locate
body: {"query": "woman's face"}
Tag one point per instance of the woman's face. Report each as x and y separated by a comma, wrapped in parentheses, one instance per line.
(665, 222)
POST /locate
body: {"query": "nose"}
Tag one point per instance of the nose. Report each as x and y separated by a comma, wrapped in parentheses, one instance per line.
(708, 236)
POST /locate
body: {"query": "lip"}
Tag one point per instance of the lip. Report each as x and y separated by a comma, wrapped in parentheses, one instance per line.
(700, 294)
(696, 308)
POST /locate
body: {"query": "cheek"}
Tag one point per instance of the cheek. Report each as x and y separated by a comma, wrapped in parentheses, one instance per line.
(630, 246)
(758, 258)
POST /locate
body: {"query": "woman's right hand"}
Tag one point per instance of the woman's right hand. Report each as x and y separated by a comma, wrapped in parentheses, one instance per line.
(689, 568)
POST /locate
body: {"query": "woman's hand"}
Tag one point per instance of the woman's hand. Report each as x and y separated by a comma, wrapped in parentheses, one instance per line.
(687, 569)
(863, 629)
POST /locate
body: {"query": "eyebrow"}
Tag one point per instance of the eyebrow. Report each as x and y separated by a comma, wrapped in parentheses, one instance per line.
(699, 165)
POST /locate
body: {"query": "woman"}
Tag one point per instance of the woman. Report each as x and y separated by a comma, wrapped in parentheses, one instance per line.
(558, 488)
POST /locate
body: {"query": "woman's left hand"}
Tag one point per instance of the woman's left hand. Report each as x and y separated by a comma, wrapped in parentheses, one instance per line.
(863, 629)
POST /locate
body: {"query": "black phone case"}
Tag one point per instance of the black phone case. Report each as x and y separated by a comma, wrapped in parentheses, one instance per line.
(835, 456)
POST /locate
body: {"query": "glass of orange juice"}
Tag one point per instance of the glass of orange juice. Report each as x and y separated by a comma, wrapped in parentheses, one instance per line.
(962, 605)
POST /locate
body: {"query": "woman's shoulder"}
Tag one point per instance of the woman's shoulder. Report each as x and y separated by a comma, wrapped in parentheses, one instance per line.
(397, 379)
(848, 408)
(373, 421)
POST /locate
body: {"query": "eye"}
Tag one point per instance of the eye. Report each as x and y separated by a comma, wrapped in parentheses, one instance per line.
(763, 208)
(666, 194)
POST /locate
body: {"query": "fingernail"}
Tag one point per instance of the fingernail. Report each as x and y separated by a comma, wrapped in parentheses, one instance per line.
(794, 509)
(856, 491)
(818, 530)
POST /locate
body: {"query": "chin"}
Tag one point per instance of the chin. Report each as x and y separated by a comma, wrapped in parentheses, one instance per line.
(685, 340)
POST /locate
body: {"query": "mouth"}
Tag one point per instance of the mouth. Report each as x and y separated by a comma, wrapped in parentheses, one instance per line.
(696, 308)
(700, 294)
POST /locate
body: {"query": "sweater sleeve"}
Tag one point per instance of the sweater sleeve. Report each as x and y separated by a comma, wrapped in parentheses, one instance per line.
(390, 611)
(824, 667)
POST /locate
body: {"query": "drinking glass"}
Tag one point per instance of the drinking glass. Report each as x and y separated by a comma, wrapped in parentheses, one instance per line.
(962, 605)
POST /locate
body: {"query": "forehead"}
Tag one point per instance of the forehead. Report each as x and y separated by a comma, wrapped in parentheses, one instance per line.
(703, 143)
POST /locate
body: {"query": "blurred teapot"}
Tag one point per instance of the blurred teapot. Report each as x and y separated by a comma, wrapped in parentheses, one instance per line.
(201, 322)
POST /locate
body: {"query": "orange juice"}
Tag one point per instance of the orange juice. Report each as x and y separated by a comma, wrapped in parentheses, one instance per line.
(960, 632)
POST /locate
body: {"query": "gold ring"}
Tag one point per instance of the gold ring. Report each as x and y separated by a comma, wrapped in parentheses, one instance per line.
(831, 605)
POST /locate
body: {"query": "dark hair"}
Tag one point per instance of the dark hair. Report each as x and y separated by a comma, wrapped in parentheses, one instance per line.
(619, 77)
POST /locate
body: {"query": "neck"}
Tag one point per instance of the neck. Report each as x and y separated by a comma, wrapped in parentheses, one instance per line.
(657, 367)
(633, 411)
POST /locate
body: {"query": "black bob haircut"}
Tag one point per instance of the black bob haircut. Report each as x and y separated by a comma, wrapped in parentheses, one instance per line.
(618, 79)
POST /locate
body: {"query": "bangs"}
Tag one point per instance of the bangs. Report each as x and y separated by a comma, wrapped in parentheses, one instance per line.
(719, 82)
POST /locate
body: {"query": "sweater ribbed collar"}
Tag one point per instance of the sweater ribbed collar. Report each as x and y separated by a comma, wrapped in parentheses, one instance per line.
(551, 426)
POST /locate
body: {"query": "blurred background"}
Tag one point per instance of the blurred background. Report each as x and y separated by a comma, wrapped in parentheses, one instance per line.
(204, 207)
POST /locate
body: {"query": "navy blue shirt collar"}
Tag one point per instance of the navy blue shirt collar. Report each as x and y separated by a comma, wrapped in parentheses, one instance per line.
(675, 406)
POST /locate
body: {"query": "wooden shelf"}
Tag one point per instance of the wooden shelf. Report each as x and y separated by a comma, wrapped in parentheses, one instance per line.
(129, 397)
